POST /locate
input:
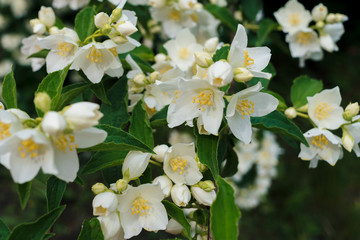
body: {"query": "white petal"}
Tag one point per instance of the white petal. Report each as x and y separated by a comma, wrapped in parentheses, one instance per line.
(263, 104)
(240, 127)
(67, 164)
(89, 137)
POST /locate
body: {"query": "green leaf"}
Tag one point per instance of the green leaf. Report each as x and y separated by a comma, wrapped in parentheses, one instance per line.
(159, 118)
(38, 229)
(40, 54)
(69, 93)
(251, 8)
(4, 231)
(52, 84)
(111, 174)
(84, 22)
(99, 90)
(55, 189)
(225, 214)
(23, 191)
(266, 26)
(207, 146)
(91, 230)
(303, 87)
(140, 125)
(221, 53)
(145, 66)
(143, 52)
(231, 160)
(178, 214)
(223, 14)
(277, 122)
(116, 114)
(49, 236)
(101, 160)
(118, 140)
(9, 90)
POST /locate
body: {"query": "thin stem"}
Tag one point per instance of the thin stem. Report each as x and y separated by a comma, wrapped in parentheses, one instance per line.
(155, 163)
(302, 115)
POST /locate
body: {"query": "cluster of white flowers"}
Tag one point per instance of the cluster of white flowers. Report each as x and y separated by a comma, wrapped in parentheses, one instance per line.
(140, 207)
(49, 143)
(264, 155)
(326, 114)
(308, 42)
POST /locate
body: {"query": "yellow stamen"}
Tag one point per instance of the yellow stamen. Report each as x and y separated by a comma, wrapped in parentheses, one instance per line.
(184, 53)
(178, 164)
(175, 15)
(322, 111)
(304, 38)
(4, 130)
(95, 55)
(113, 51)
(319, 141)
(245, 107)
(294, 19)
(64, 48)
(29, 148)
(247, 60)
(140, 206)
(65, 141)
(203, 99)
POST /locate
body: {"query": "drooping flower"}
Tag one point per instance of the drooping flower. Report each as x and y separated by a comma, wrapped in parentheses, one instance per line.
(180, 194)
(135, 164)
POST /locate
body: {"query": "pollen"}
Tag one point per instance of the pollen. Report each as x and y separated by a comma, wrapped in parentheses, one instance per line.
(95, 55)
(175, 15)
(304, 38)
(184, 53)
(63, 49)
(203, 99)
(65, 142)
(247, 60)
(194, 17)
(294, 19)
(218, 81)
(140, 206)
(178, 164)
(319, 141)
(245, 107)
(4, 130)
(29, 148)
(322, 111)
(113, 51)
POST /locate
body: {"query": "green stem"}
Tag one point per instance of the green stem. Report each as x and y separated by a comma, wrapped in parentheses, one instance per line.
(155, 163)
(302, 115)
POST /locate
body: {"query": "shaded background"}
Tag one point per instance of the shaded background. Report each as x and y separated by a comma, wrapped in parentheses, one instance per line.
(303, 203)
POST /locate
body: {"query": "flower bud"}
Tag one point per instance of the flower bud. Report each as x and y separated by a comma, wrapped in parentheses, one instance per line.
(121, 185)
(290, 113)
(106, 28)
(203, 59)
(165, 184)
(320, 24)
(101, 19)
(157, 3)
(115, 15)
(42, 101)
(154, 76)
(173, 227)
(351, 111)
(104, 203)
(347, 140)
(207, 185)
(53, 123)
(135, 164)
(242, 74)
(82, 115)
(180, 194)
(119, 39)
(98, 188)
(37, 26)
(202, 196)
(160, 151)
(327, 43)
(319, 12)
(126, 28)
(47, 16)
(54, 30)
(340, 17)
(140, 79)
(160, 57)
(331, 18)
(220, 74)
(211, 44)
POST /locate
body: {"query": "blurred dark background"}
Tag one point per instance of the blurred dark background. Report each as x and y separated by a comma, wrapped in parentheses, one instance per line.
(303, 203)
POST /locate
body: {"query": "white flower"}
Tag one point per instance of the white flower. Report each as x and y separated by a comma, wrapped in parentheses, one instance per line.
(135, 164)
(303, 42)
(246, 103)
(100, 19)
(165, 184)
(31, 46)
(220, 74)
(53, 123)
(323, 145)
(47, 16)
(211, 44)
(174, 227)
(180, 164)
(96, 59)
(104, 204)
(111, 227)
(160, 151)
(202, 196)
(293, 16)
(331, 34)
(141, 207)
(324, 109)
(181, 49)
(197, 98)
(319, 12)
(82, 115)
(252, 59)
(73, 4)
(180, 194)
(354, 131)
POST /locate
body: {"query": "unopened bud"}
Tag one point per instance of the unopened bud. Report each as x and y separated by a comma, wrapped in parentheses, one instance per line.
(203, 59)
(211, 44)
(320, 24)
(160, 152)
(340, 17)
(351, 111)
(115, 15)
(47, 16)
(202, 167)
(154, 76)
(319, 12)
(121, 185)
(160, 57)
(98, 188)
(42, 101)
(140, 79)
(101, 19)
(347, 140)
(126, 28)
(203, 197)
(54, 30)
(331, 18)
(37, 26)
(290, 113)
(119, 39)
(207, 185)
(242, 74)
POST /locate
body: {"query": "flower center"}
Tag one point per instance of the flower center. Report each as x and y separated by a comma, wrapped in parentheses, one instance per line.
(64, 48)
(184, 53)
(248, 60)
(65, 141)
(94, 55)
(100, 211)
(29, 148)
(203, 99)
(140, 206)
(319, 141)
(4, 130)
(178, 164)
(245, 107)
(294, 19)
(194, 17)
(218, 81)
(175, 15)
(322, 111)
(304, 38)
(113, 51)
